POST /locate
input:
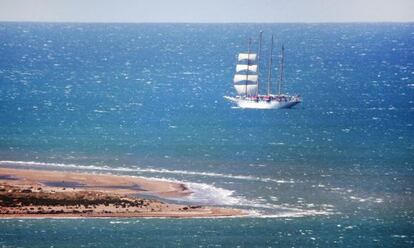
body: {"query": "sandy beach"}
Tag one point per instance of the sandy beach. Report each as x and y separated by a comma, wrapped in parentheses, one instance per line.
(40, 193)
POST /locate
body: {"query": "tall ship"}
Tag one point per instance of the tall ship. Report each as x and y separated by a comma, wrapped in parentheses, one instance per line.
(247, 85)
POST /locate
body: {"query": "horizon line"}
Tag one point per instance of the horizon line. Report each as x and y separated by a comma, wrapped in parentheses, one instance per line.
(179, 22)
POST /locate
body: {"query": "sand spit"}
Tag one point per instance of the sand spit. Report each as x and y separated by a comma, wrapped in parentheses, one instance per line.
(39, 193)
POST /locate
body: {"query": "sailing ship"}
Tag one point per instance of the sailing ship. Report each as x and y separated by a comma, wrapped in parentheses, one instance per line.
(246, 82)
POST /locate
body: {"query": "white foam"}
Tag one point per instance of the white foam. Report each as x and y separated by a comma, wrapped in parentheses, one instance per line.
(205, 194)
(147, 170)
(208, 194)
(292, 214)
(287, 211)
(119, 222)
(213, 174)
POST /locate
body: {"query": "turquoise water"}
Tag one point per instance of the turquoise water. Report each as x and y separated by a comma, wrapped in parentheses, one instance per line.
(147, 100)
(299, 232)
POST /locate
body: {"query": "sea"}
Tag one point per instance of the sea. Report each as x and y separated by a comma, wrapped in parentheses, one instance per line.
(147, 100)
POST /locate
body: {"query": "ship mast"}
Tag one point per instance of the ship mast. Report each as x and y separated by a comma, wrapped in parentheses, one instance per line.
(281, 69)
(248, 63)
(269, 77)
(258, 62)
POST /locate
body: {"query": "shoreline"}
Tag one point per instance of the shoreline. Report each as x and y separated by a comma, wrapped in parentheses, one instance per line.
(26, 193)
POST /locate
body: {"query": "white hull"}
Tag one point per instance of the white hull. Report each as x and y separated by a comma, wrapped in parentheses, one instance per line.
(246, 83)
(263, 104)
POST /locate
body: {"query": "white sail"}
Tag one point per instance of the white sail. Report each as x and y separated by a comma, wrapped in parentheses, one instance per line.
(250, 89)
(252, 68)
(243, 77)
(249, 56)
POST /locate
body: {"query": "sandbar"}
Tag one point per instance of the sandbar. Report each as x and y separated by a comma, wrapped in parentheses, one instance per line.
(36, 193)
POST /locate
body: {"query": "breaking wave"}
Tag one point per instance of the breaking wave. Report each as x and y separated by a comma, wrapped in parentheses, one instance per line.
(206, 194)
(145, 170)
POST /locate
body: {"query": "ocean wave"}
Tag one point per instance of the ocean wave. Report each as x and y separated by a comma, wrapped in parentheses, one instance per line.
(147, 170)
(213, 174)
(292, 213)
(206, 194)
(119, 222)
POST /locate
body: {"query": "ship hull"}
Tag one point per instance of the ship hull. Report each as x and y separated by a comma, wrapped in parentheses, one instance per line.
(248, 103)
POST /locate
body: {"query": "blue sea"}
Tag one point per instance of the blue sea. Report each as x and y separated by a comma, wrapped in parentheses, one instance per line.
(147, 100)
